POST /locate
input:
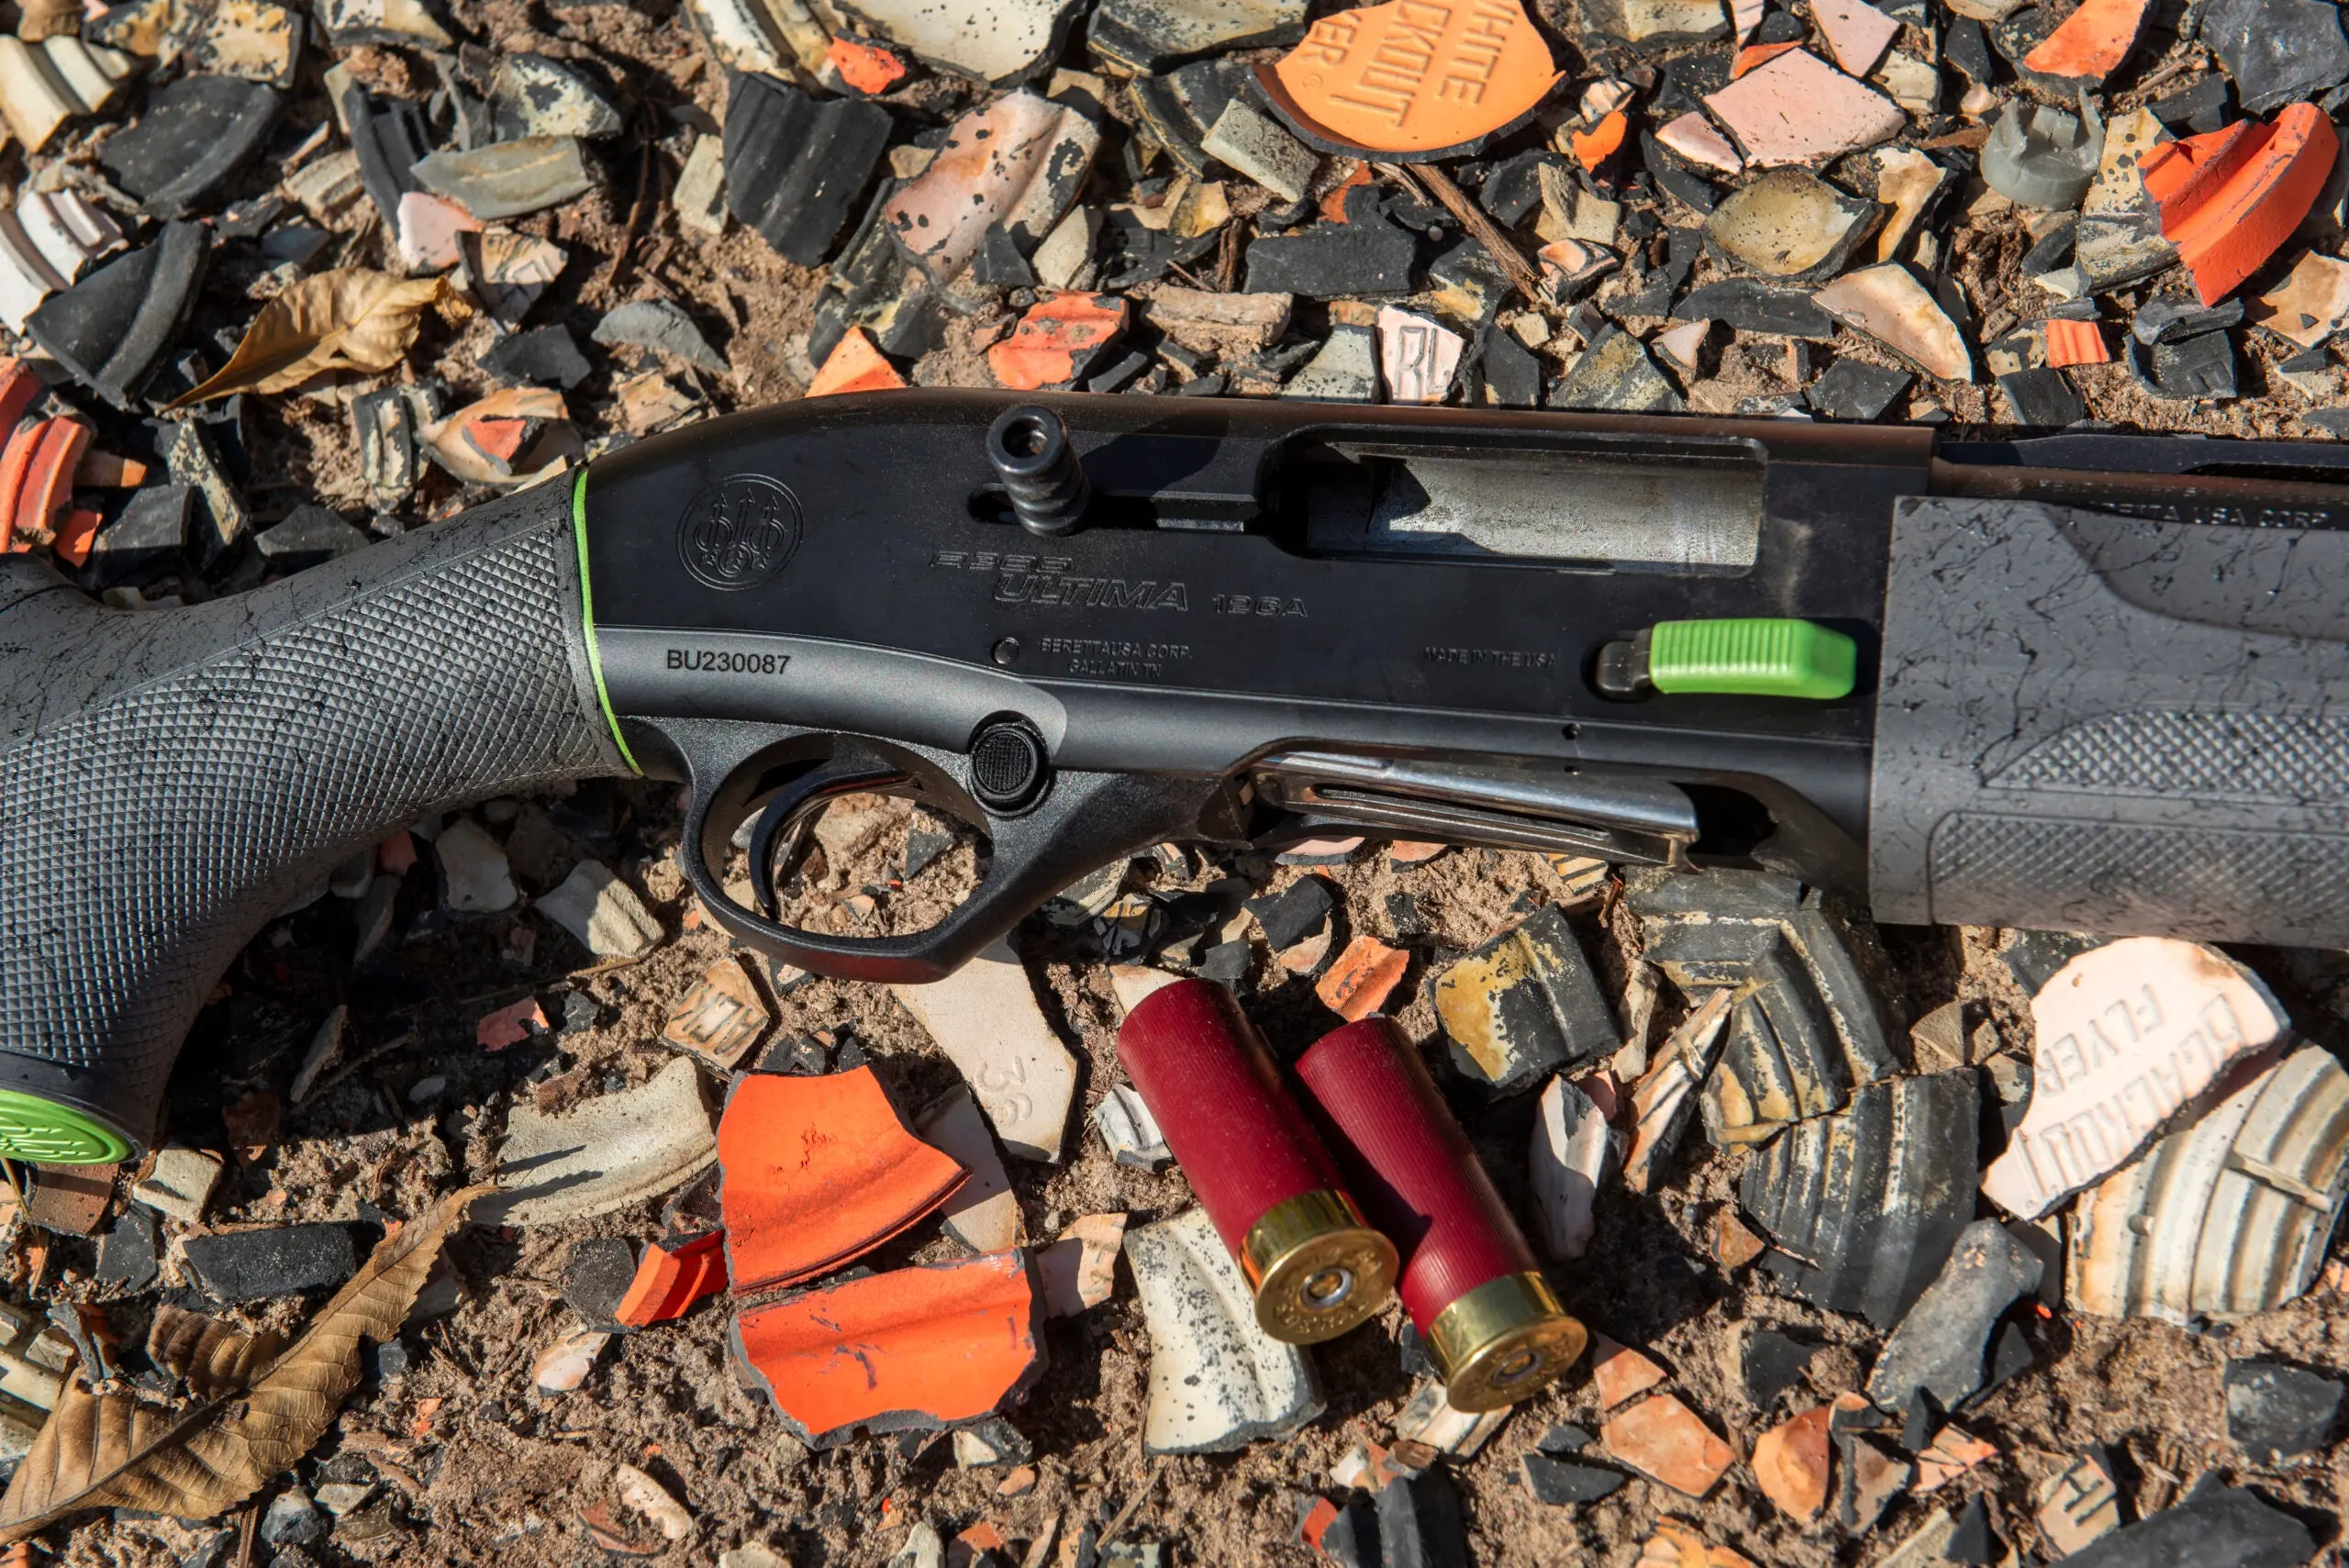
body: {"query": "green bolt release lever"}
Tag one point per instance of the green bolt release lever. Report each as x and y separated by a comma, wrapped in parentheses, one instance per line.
(1757, 657)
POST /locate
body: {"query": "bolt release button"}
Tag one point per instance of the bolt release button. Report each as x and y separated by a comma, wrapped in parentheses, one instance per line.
(1759, 657)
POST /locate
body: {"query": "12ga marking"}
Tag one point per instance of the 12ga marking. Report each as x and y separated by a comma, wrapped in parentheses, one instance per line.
(724, 662)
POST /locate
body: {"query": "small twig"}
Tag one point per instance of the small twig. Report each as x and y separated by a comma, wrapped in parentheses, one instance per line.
(247, 1524)
(626, 249)
(1402, 176)
(1483, 229)
(348, 1068)
(2176, 68)
(1150, 1483)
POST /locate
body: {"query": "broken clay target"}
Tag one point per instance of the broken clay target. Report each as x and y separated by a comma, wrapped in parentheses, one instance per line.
(1315, 1266)
(1493, 1325)
(1412, 79)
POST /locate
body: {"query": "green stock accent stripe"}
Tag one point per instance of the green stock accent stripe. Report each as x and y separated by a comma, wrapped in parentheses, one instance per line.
(1766, 658)
(50, 1134)
(587, 620)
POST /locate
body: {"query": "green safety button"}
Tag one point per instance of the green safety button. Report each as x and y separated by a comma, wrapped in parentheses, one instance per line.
(1758, 656)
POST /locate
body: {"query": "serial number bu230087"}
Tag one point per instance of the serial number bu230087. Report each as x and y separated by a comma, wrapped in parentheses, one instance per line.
(726, 661)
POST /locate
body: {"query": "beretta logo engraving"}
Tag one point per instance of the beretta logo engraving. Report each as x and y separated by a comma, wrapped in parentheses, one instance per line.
(740, 531)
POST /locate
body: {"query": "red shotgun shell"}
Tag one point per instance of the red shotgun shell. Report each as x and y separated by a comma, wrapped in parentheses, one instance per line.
(1317, 1267)
(1493, 1325)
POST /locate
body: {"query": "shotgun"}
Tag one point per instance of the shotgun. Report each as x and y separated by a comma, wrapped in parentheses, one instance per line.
(2091, 682)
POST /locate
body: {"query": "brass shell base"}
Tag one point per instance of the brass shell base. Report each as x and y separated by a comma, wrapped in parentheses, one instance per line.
(1317, 1267)
(1503, 1341)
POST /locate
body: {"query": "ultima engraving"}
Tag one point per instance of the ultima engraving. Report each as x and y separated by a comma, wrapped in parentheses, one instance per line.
(1090, 592)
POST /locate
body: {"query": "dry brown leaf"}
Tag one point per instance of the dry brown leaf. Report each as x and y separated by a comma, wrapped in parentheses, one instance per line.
(349, 318)
(116, 1451)
(211, 1357)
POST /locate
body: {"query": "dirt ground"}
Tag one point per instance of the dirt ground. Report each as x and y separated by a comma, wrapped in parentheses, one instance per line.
(475, 1466)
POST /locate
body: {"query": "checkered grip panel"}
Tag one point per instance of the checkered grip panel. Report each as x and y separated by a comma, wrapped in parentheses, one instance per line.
(241, 750)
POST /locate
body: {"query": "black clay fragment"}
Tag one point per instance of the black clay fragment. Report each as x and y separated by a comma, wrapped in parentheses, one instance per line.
(1179, 108)
(2277, 52)
(596, 1274)
(2044, 398)
(2034, 957)
(130, 1255)
(195, 133)
(1865, 1203)
(1513, 189)
(236, 1266)
(794, 166)
(2222, 1528)
(1854, 389)
(111, 328)
(1329, 261)
(1973, 1544)
(1295, 913)
(2182, 371)
(390, 136)
(1562, 1483)
(1774, 1363)
(1512, 374)
(145, 541)
(1752, 306)
(1941, 1344)
(1420, 1523)
(309, 536)
(2194, 110)
(546, 356)
(1811, 1024)
(2275, 1411)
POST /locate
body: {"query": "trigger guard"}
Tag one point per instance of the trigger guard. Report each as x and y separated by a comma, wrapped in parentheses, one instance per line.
(787, 811)
(1085, 820)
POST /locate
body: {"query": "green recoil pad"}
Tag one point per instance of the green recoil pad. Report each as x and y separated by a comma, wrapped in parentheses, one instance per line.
(49, 1132)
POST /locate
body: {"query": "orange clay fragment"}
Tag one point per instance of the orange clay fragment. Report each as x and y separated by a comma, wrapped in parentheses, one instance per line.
(1600, 142)
(2091, 43)
(1363, 977)
(1674, 1545)
(48, 482)
(856, 365)
(111, 471)
(16, 462)
(1056, 337)
(2074, 343)
(510, 1025)
(2229, 199)
(72, 546)
(913, 1348)
(817, 1171)
(1953, 1453)
(866, 67)
(18, 387)
(1757, 54)
(1412, 79)
(1334, 206)
(671, 1277)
